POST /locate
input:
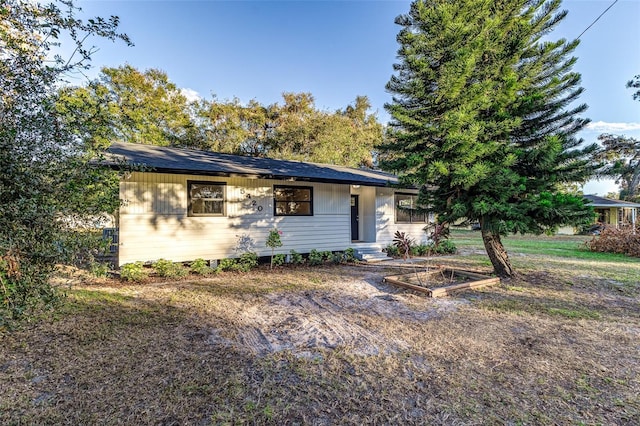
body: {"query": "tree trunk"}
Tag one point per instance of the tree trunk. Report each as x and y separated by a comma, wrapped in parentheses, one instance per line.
(497, 254)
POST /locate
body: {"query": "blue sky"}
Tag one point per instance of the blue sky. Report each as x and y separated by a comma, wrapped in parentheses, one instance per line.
(338, 50)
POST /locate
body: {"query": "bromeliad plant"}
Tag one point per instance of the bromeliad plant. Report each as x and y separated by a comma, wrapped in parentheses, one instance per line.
(273, 242)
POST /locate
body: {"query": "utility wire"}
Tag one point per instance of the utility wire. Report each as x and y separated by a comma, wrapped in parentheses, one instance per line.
(605, 11)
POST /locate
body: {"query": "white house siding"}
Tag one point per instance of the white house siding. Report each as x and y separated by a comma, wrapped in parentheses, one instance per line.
(386, 226)
(154, 223)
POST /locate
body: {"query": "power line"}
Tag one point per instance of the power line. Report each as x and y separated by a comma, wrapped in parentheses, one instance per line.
(605, 11)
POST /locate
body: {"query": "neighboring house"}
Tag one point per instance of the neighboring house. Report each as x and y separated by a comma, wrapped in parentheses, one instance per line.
(198, 204)
(618, 213)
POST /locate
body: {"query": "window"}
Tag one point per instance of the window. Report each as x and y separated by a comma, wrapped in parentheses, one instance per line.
(206, 198)
(292, 200)
(406, 205)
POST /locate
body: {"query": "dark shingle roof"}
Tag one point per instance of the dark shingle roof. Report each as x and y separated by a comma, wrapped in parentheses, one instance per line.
(188, 161)
(596, 201)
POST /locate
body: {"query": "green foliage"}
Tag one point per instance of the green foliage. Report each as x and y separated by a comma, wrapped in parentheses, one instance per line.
(274, 241)
(133, 272)
(296, 258)
(392, 251)
(227, 265)
(246, 262)
(100, 269)
(327, 255)
(620, 157)
(350, 255)
(315, 257)
(200, 267)
(337, 258)
(48, 185)
(484, 119)
(419, 250)
(279, 259)
(168, 269)
(445, 247)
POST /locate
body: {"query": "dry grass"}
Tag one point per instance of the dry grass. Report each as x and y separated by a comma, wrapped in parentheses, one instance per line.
(558, 345)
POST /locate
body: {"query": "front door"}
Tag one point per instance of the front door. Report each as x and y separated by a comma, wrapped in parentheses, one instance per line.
(355, 233)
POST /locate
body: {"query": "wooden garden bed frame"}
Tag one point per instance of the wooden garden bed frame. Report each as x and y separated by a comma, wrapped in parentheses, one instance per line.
(477, 281)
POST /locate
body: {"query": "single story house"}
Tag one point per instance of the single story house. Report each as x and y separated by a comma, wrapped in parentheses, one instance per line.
(188, 204)
(618, 213)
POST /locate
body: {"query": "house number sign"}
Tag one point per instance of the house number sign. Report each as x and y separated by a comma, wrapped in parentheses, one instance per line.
(250, 204)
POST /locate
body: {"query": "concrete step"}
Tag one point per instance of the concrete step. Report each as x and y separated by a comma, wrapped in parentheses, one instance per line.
(370, 254)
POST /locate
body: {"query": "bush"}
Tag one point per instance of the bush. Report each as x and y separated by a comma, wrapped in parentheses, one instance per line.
(349, 255)
(168, 269)
(337, 258)
(419, 250)
(133, 272)
(227, 265)
(315, 257)
(327, 255)
(200, 267)
(612, 240)
(296, 258)
(445, 247)
(279, 259)
(247, 261)
(99, 269)
(392, 251)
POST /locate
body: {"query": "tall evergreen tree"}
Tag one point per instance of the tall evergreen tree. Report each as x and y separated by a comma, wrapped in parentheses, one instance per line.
(482, 118)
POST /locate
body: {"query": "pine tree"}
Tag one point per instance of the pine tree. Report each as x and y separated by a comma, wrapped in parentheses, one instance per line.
(482, 118)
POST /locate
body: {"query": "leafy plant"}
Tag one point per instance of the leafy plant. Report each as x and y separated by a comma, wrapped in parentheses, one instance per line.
(350, 255)
(403, 243)
(133, 272)
(99, 269)
(273, 242)
(279, 259)
(315, 257)
(296, 258)
(392, 251)
(248, 261)
(337, 258)
(168, 269)
(227, 265)
(445, 247)
(419, 250)
(200, 267)
(48, 180)
(327, 255)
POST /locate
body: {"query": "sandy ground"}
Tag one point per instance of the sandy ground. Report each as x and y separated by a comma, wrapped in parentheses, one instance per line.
(303, 322)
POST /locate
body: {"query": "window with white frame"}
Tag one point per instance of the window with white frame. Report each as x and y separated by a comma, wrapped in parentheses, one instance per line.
(206, 198)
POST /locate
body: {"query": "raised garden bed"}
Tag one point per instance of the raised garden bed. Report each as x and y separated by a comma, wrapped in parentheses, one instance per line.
(441, 282)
